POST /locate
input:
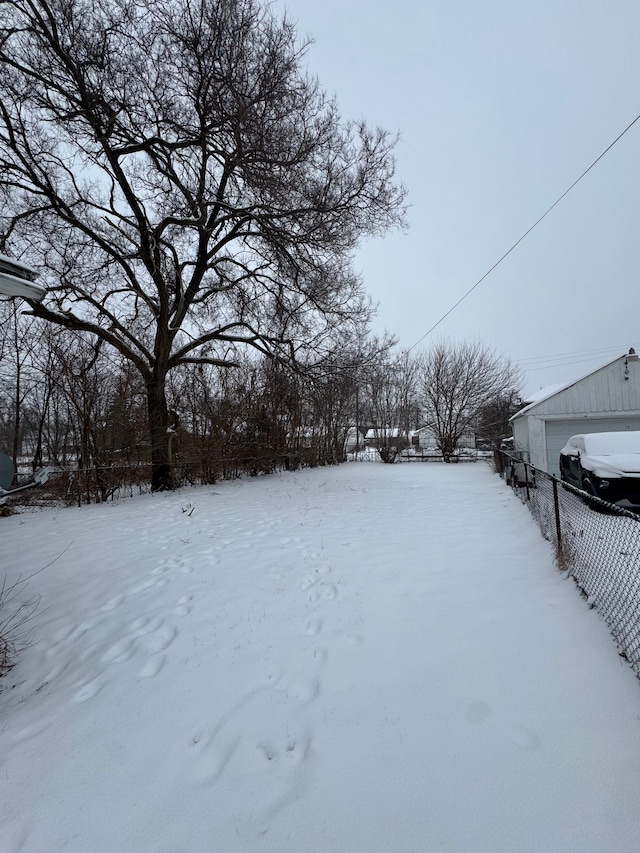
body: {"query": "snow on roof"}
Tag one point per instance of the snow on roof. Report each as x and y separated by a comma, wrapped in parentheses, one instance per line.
(551, 390)
(382, 432)
(542, 393)
(17, 279)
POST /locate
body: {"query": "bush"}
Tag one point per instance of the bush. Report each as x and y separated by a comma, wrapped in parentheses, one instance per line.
(14, 618)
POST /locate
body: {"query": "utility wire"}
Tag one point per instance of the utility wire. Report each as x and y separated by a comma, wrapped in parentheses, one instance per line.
(558, 364)
(526, 233)
(570, 357)
(582, 352)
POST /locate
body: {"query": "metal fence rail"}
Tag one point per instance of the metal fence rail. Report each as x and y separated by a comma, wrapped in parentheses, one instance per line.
(597, 543)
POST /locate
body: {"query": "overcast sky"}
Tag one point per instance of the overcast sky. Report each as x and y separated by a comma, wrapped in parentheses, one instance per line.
(501, 105)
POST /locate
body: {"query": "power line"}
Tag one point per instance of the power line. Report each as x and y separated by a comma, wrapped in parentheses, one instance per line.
(571, 353)
(588, 354)
(560, 364)
(526, 234)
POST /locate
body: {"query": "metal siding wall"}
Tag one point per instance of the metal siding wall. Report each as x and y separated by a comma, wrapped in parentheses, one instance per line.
(537, 445)
(606, 390)
(520, 428)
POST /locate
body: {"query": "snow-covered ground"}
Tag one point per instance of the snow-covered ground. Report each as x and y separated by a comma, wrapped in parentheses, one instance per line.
(357, 658)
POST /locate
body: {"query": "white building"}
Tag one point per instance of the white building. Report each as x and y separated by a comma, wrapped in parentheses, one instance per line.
(608, 399)
(390, 436)
(425, 438)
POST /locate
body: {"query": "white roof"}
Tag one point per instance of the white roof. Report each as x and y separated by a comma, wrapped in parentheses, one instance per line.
(382, 432)
(543, 393)
(17, 279)
(552, 390)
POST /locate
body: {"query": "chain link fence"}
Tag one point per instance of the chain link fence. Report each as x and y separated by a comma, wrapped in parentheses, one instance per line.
(596, 543)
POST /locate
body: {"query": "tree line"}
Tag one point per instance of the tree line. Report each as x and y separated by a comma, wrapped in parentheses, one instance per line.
(72, 405)
(193, 199)
(187, 190)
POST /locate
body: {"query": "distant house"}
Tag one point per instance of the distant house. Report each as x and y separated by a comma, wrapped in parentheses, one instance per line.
(425, 438)
(388, 436)
(605, 400)
(354, 440)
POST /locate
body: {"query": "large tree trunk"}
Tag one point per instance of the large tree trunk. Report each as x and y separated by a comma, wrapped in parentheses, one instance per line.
(448, 444)
(161, 477)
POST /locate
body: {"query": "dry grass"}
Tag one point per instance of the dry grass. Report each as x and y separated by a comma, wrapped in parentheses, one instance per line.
(16, 612)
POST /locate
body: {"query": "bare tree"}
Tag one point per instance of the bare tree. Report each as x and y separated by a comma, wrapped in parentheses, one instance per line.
(183, 186)
(19, 338)
(392, 403)
(457, 381)
(494, 416)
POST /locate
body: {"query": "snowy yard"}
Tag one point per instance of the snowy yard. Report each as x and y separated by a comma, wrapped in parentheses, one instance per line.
(359, 658)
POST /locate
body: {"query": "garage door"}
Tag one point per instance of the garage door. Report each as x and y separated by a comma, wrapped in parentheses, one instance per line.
(557, 433)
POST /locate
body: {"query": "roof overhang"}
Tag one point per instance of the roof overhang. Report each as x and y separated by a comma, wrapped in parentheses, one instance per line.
(17, 279)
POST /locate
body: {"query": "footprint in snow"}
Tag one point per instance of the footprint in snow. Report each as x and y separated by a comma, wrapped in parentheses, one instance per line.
(119, 651)
(125, 647)
(281, 777)
(89, 690)
(353, 639)
(302, 690)
(63, 634)
(523, 737)
(159, 640)
(320, 654)
(260, 738)
(146, 624)
(83, 627)
(320, 589)
(314, 626)
(214, 757)
(147, 633)
(477, 712)
(269, 770)
(153, 666)
(29, 732)
(57, 670)
(291, 750)
(114, 602)
(183, 607)
(145, 585)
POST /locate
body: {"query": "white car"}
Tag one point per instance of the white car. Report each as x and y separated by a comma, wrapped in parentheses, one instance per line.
(604, 464)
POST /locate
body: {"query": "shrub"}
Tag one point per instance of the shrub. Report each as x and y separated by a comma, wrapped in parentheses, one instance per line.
(14, 618)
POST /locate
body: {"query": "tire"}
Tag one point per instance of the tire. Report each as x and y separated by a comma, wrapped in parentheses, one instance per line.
(592, 492)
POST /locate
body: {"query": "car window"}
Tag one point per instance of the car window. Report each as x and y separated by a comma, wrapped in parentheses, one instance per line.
(573, 446)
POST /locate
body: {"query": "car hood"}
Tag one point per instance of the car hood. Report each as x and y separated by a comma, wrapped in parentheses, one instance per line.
(622, 464)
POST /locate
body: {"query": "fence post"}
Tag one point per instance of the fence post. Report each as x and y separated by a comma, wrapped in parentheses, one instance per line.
(556, 507)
